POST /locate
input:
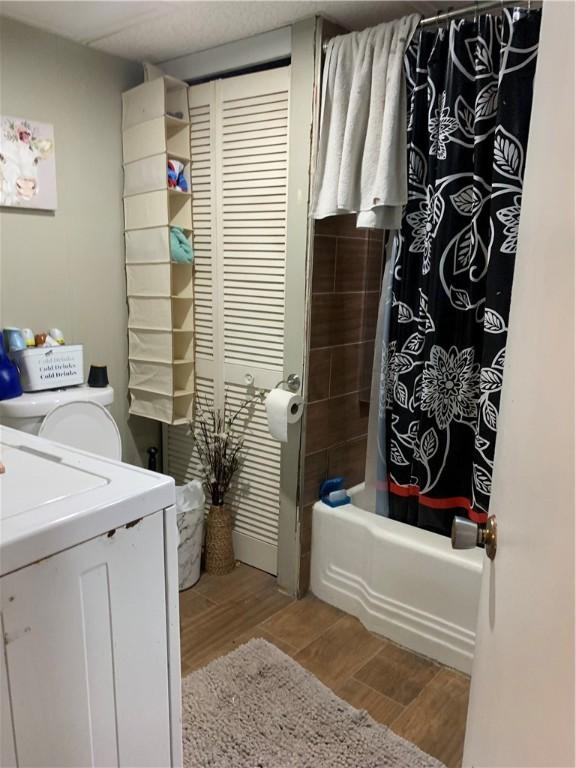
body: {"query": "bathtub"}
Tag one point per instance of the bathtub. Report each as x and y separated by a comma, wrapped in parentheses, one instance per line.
(404, 583)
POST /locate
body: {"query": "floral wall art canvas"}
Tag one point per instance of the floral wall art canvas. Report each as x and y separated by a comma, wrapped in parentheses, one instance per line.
(27, 164)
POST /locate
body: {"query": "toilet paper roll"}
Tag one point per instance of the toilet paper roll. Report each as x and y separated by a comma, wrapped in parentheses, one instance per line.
(282, 408)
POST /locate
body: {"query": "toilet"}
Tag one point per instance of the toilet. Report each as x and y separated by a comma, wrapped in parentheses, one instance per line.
(76, 416)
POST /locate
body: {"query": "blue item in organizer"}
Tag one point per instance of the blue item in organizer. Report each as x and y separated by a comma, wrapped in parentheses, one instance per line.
(181, 182)
(172, 175)
(176, 178)
(333, 493)
(9, 377)
(180, 249)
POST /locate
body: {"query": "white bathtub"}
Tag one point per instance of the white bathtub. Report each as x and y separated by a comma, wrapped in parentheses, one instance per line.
(401, 582)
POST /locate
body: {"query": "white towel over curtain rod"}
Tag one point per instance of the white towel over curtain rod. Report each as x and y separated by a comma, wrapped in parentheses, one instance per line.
(361, 165)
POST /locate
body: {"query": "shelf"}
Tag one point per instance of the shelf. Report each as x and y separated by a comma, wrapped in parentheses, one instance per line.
(152, 246)
(159, 135)
(182, 158)
(161, 362)
(155, 98)
(183, 347)
(150, 174)
(160, 292)
(180, 210)
(161, 407)
(182, 283)
(148, 263)
(148, 280)
(177, 137)
(146, 211)
(150, 311)
(160, 346)
(151, 210)
(176, 122)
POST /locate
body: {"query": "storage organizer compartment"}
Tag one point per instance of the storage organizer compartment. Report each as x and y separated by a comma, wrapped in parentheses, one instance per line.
(148, 245)
(150, 313)
(150, 174)
(154, 99)
(152, 345)
(184, 377)
(176, 98)
(177, 138)
(143, 103)
(152, 376)
(183, 314)
(144, 139)
(50, 367)
(183, 408)
(162, 134)
(183, 345)
(148, 279)
(185, 171)
(162, 378)
(188, 235)
(152, 405)
(146, 175)
(147, 210)
(160, 292)
(180, 210)
(182, 283)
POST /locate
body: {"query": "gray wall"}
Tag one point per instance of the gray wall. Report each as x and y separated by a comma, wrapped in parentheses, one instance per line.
(66, 269)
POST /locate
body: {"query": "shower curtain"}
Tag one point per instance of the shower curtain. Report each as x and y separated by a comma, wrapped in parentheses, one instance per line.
(450, 275)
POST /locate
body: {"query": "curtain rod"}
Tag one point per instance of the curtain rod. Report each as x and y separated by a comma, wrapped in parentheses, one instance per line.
(478, 7)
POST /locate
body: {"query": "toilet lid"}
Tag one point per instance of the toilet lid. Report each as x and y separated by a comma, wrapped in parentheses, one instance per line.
(85, 425)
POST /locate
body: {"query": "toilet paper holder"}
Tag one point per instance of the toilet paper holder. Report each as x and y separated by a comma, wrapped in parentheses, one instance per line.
(292, 382)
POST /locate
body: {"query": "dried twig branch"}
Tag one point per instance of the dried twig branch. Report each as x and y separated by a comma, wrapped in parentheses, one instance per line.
(219, 444)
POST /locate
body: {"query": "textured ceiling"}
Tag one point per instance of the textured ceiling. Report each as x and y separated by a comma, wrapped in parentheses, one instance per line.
(157, 31)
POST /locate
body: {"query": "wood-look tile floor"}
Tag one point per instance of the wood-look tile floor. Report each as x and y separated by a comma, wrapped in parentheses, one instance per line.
(421, 700)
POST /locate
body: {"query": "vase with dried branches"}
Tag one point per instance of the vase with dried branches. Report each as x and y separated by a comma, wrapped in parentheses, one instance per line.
(218, 437)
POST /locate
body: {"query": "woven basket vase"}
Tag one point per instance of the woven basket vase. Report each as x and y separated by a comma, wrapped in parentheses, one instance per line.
(219, 544)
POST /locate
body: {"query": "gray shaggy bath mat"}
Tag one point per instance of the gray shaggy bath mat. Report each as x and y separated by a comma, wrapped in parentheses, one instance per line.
(257, 708)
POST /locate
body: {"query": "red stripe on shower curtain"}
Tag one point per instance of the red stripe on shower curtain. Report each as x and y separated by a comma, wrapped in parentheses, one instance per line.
(428, 501)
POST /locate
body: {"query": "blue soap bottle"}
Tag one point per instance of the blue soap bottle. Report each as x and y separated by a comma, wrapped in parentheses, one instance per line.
(9, 378)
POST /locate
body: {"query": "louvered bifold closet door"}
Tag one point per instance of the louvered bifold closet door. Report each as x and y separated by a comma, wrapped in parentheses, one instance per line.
(204, 211)
(239, 152)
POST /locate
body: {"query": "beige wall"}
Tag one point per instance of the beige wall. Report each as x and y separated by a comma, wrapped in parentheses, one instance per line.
(67, 269)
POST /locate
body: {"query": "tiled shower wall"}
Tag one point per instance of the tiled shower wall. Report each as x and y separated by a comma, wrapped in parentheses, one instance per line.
(346, 278)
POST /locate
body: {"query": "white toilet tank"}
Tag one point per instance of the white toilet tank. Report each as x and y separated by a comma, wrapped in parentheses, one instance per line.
(97, 432)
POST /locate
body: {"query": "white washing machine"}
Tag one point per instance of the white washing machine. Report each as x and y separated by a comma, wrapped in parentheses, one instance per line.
(76, 416)
(90, 663)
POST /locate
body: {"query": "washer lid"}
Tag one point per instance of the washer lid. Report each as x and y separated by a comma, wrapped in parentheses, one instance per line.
(53, 497)
(84, 425)
(33, 479)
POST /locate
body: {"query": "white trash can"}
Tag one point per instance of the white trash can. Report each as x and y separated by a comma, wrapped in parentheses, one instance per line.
(190, 521)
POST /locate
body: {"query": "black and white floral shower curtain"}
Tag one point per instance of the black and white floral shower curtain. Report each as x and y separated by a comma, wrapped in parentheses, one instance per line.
(470, 97)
